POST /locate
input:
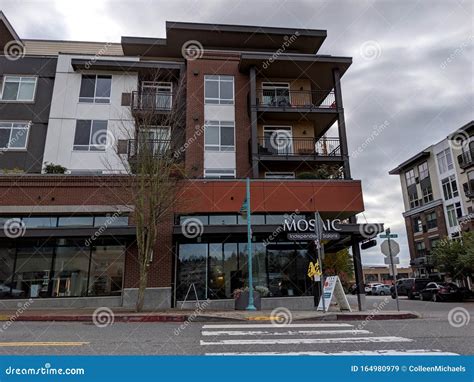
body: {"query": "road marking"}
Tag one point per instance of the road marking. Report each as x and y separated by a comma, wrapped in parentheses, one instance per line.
(21, 344)
(285, 326)
(355, 352)
(285, 333)
(289, 341)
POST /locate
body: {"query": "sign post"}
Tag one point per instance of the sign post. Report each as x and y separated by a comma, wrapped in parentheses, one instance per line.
(391, 249)
(318, 230)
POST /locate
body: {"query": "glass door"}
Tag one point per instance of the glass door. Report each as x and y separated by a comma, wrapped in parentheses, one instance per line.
(276, 94)
(278, 140)
(156, 95)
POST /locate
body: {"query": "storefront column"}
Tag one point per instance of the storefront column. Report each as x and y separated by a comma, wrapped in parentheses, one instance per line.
(359, 276)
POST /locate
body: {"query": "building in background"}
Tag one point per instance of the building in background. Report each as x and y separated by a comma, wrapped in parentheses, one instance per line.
(437, 186)
(277, 118)
(381, 274)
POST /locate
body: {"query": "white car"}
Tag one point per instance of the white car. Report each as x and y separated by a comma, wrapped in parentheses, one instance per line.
(368, 287)
(381, 290)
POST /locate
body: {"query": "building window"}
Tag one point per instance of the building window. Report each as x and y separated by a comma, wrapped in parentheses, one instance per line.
(414, 201)
(18, 88)
(410, 177)
(95, 88)
(91, 135)
(14, 135)
(279, 175)
(219, 90)
(450, 187)
(427, 194)
(454, 212)
(219, 136)
(417, 225)
(431, 220)
(434, 242)
(420, 248)
(423, 171)
(445, 161)
(220, 173)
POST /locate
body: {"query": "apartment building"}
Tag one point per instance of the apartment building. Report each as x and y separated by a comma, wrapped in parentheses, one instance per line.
(258, 102)
(437, 194)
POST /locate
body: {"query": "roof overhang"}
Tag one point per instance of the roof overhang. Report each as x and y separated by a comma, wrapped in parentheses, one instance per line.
(123, 66)
(409, 162)
(225, 37)
(317, 68)
(8, 34)
(75, 232)
(468, 129)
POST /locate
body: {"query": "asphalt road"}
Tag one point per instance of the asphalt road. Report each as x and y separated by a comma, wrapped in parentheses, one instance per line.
(436, 333)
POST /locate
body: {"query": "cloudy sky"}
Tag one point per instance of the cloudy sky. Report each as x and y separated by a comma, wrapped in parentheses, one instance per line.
(400, 90)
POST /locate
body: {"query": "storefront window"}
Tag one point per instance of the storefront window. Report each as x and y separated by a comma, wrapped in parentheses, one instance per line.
(7, 262)
(192, 269)
(222, 219)
(106, 272)
(71, 267)
(83, 221)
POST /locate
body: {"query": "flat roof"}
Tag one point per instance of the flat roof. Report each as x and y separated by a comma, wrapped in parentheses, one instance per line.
(225, 37)
(397, 170)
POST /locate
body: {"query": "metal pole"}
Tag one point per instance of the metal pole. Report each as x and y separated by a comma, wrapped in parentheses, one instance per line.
(251, 305)
(319, 237)
(393, 268)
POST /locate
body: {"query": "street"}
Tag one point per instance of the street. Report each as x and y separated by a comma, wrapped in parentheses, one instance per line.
(433, 334)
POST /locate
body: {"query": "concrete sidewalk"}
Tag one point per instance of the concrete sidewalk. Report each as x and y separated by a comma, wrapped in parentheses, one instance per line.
(175, 315)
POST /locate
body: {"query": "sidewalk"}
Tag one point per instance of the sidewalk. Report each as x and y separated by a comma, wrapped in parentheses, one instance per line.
(175, 315)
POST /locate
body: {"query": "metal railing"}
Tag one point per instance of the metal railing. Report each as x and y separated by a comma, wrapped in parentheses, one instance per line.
(466, 159)
(468, 188)
(154, 147)
(152, 101)
(297, 99)
(281, 144)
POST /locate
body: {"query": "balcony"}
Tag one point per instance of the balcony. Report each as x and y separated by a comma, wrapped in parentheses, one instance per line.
(284, 104)
(280, 146)
(466, 159)
(152, 147)
(156, 102)
(468, 188)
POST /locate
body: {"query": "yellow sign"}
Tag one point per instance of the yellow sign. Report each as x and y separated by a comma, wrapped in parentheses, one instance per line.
(313, 269)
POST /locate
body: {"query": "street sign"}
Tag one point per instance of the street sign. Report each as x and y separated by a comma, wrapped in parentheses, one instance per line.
(386, 236)
(333, 289)
(313, 270)
(393, 246)
(396, 260)
(368, 244)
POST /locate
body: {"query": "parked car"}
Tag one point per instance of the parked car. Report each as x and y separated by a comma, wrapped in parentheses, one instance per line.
(6, 291)
(369, 286)
(409, 287)
(441, 292)
(381, 290)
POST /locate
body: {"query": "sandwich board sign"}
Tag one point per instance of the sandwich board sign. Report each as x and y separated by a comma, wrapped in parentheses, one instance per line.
(333, 289)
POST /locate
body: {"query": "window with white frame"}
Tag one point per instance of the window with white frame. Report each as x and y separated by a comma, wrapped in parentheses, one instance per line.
(219, 90)
(423, 171)
(155, 138)
(14, 135)
(454, 211)
(413, 199)
(279, 175)
(450, 187)
(445, 161)
(427, 194)
(18, 88)
(90, 135)
(417, 225)
(221, 173)
(219, 136)
(95, 88)
(410, 177)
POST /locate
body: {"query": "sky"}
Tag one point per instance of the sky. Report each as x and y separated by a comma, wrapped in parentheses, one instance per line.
(410, 84)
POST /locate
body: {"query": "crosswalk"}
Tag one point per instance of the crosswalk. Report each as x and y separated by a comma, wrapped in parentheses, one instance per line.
(311, 339)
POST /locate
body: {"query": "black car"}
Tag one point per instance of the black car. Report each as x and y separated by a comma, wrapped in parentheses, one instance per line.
(410, 287)
(441, 292)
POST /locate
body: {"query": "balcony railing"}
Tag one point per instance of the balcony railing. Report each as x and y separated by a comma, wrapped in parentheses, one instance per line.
(152, 101)
(154, 147)
(296, 99)
(466, 159)
(469, 189)
(280, 144)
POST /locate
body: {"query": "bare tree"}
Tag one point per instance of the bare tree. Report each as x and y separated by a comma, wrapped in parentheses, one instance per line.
(152, 158)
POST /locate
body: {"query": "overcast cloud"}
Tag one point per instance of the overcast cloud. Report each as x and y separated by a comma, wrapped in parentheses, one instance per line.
(400, 84)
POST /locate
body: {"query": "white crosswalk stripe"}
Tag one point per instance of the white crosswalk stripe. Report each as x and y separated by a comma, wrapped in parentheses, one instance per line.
(302, 335)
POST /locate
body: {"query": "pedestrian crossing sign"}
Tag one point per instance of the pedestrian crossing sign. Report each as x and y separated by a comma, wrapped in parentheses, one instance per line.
(313, 270)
